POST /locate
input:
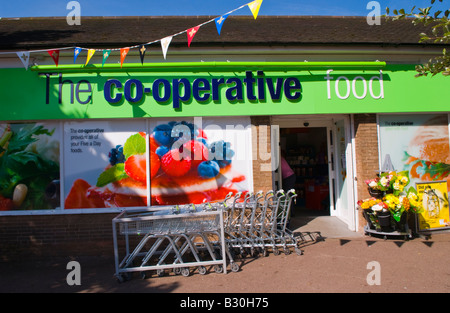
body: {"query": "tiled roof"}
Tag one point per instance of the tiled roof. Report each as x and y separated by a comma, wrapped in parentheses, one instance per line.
(117, 32)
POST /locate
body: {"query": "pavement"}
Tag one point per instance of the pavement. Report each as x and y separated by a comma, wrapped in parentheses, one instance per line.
(334, 260)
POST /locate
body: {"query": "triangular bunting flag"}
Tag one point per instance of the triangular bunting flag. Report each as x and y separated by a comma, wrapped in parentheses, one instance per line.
(165, 42)
(89, 56)
(191, 33)
(254, 7)
(54, 53)
(123, 54)
(76, 52)
(106, 54)
(142, 50)
(24, 56)
(219, 22)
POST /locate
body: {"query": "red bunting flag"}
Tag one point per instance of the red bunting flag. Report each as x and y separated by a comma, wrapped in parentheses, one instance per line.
(123, 54)
(191, 33)
(54, 53)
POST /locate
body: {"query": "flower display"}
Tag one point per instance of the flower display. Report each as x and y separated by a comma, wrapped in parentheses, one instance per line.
(393, 198)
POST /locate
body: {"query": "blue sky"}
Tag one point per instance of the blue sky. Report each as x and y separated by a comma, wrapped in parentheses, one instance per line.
(33, 8)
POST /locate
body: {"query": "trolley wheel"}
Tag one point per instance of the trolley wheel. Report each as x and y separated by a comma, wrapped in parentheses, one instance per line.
(265, 253)
(124, 277)
(234, 267)
(185, 271)
(120, 278)
(286, 251)
(218, 268)
(243, 253)
(254, 252)
(160, 272)
(298, 251)
(177, 271)
(275, 251)
(202, 270)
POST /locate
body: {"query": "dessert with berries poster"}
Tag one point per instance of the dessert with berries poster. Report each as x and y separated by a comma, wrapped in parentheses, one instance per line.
(105, 164)
(199, 159)
(189, 160)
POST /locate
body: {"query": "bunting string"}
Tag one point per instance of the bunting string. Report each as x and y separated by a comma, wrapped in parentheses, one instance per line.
(24, 56)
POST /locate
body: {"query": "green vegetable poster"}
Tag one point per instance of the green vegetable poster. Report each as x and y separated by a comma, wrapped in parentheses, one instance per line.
(29, 166)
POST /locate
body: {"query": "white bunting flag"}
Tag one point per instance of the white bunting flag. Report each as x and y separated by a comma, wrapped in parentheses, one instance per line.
(165, 42)
(24, 56)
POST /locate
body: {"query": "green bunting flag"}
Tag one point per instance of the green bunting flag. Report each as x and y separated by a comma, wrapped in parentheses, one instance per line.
(106, 54)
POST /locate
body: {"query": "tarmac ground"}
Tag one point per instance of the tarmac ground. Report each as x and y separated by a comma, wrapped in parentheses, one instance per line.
(332, 262)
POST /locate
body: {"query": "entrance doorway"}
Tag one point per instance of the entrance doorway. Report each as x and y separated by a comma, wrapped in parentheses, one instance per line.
(305, 149)
(318, 149)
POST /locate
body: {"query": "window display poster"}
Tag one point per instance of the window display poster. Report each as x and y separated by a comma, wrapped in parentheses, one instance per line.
(29, 166)
(418, 144)
(105, 164)
(200, 159)
(435, 204)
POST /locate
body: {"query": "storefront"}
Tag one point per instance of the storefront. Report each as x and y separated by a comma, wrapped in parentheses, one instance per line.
(90, 140)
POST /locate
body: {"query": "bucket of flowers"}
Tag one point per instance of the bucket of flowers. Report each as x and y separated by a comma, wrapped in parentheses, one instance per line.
(372, 209)
(374, 188)
(401, 204)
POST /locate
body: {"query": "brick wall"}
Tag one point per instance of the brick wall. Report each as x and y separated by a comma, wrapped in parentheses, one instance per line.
(366, 150)
(262, 179)
(43, 236)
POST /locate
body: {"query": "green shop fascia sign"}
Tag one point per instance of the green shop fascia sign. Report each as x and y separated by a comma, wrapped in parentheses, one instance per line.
(213, 89)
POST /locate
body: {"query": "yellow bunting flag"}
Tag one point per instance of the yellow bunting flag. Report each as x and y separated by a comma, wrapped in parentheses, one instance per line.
(254, 7)
(89, 56)
(123, 54)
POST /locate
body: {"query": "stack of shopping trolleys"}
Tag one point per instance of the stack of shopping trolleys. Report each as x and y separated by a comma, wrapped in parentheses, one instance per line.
(183, 238)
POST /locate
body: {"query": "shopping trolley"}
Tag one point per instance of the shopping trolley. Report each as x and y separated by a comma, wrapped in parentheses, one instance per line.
(257, 223)
(282, 235)
(177, 238)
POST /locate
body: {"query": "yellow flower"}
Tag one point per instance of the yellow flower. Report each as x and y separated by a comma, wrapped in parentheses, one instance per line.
(405, 203)
(392, 201)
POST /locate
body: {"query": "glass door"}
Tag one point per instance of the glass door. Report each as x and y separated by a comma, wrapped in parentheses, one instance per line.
(343, 173)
